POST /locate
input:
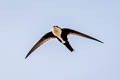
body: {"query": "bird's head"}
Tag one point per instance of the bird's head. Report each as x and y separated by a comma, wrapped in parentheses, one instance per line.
(55, 26)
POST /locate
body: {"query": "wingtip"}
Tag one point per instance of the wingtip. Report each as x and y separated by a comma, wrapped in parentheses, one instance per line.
(26, 56)
(101, 42)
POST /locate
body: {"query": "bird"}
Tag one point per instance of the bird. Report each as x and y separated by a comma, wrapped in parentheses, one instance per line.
(61, 34)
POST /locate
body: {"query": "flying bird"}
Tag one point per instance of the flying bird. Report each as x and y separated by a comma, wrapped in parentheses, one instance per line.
(60, 34)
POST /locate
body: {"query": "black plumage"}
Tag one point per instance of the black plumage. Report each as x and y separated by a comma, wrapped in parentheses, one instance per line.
(61, 35)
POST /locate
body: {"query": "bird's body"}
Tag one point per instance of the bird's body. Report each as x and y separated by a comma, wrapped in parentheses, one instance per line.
(61, 35)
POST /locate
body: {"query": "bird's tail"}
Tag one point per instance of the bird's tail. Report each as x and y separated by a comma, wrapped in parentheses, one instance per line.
(68, 46)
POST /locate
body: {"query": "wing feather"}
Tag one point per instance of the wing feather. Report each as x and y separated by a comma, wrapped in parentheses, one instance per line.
(44, 39)
(73, 32)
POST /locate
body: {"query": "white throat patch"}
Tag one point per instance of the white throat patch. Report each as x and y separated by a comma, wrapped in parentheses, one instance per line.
(57, 32)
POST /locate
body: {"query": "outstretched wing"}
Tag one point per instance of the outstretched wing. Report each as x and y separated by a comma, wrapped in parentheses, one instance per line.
(73, 32)
(45, 38)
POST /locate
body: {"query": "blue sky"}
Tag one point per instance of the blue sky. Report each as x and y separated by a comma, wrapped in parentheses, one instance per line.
(24, 22)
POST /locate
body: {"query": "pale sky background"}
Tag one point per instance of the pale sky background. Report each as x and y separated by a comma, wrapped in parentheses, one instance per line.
(24, 22)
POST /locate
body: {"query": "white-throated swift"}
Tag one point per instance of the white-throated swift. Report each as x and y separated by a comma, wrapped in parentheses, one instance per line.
(60, 34)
